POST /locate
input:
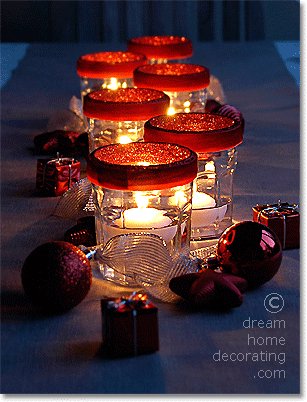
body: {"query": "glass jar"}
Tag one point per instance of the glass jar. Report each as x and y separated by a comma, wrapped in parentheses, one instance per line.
(119, 116)
(162, 49)
(185, 84)
(109, 70)
(214, 138)
(143, 188)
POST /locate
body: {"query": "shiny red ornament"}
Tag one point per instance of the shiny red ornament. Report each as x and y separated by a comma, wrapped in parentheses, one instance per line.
(250, 250)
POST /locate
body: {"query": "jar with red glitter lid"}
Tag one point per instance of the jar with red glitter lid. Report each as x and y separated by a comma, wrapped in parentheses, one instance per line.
(142, 188)
(111, 70)
(185, 84)
(118, 116)
(214, 138)
(162, 48)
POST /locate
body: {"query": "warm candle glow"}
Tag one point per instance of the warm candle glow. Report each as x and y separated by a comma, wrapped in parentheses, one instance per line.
(141, 200)
(142, 218)
(124, 139)
(187, 105)
(114, 84)
(171, 110)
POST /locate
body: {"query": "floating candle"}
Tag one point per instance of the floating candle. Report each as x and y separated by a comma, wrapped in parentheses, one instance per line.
(143, 219)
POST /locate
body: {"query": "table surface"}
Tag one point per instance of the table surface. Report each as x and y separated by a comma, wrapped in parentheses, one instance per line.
(61, 354)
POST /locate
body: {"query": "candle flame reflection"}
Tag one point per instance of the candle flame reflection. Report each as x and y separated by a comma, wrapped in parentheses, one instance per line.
(141, 200)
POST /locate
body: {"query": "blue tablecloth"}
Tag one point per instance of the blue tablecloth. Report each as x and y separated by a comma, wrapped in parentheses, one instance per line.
(60, 354)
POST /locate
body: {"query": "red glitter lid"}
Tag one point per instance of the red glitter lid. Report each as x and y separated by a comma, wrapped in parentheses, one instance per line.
(125, 104)
(109, 64)
(162, 47)
(202, 132)
(142, 166)
(172, 77)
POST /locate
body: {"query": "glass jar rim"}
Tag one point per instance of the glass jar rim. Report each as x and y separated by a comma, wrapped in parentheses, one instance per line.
(162, 46)
(142, 166)
(125, 104)
(172, 76)
(109, 64)
(202, 132)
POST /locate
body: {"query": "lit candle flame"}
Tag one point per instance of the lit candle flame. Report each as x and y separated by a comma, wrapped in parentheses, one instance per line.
(141, 200)
(124, 139)
(186, 106)
(171, 110)
(113, 84)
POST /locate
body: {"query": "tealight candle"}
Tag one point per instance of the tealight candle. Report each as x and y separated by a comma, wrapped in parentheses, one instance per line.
(214, 138)
(131, 197)
(110, 70)
(118, 116)
(162, 48)
(136, 220)
(185, 84)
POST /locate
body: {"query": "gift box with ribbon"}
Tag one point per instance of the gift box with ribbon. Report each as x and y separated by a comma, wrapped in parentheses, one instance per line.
(55, 176)
(129, 326)
(283, 218)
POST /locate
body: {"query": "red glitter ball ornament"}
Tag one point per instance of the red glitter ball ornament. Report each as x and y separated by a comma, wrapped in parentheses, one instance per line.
(56, 276)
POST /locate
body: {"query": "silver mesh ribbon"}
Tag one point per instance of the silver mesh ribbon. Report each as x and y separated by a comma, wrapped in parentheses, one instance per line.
(76, 202)
(144, 257)
(215, 90)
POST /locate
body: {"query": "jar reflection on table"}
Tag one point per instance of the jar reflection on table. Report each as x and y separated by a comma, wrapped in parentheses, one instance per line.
(142, 202)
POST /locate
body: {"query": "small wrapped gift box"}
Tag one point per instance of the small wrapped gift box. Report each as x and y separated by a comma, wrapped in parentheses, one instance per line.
(283, 218)
(129, 326)
(55, 176)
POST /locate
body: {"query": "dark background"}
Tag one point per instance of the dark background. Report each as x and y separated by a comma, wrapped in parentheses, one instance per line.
(115, 21)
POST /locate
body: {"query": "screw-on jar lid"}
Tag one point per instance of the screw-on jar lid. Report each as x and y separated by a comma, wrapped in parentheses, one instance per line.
(142, 166)
(172, 77)
(202, 132)
(125, 104)
(162, 47)
(109, 64)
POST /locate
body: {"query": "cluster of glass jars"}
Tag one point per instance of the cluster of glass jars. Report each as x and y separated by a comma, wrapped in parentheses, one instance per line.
(110, 70)
(158, 164)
